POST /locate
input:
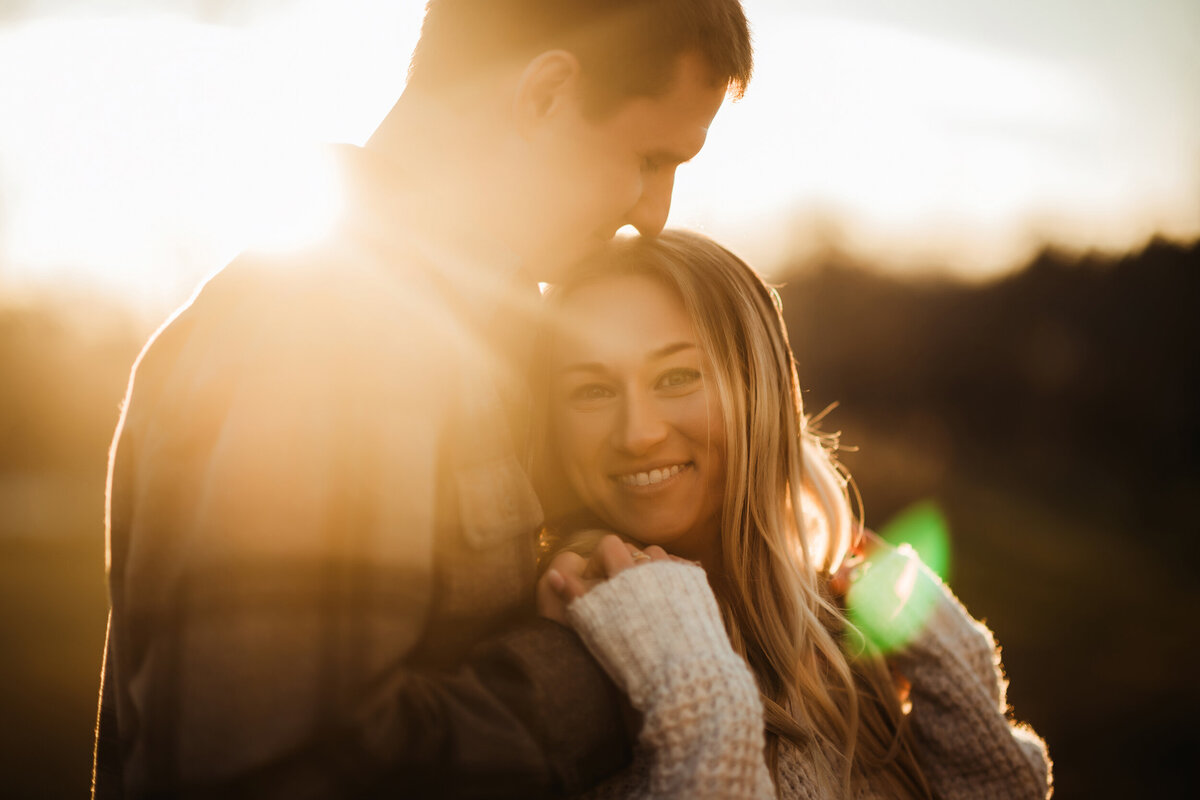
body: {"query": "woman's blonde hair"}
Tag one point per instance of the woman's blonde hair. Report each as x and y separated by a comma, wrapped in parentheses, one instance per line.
(787, 521)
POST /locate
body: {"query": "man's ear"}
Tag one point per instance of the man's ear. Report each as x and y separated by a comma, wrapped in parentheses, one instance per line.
(548, 84)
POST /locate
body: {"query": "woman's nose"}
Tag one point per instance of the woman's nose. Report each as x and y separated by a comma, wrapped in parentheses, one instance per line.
(640, 427)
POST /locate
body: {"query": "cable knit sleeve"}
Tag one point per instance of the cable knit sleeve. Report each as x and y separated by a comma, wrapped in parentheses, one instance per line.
(657, 631)
(968, 746)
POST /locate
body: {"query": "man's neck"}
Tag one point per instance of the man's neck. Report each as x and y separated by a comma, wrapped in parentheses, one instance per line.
(439, 147)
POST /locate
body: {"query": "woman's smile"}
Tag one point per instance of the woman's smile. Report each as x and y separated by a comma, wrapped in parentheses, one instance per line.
(655, 478)
(636, 414)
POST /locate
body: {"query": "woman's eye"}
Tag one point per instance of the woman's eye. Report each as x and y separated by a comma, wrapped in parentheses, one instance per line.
(679, 378)
(590, 391)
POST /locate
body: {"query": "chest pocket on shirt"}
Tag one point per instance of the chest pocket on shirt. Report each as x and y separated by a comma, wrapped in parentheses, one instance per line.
(496, 501)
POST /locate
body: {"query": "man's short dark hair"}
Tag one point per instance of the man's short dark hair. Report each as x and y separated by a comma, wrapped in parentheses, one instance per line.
(627, 48)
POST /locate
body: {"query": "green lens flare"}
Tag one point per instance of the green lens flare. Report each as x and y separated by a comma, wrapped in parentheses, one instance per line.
(923, 527)
(892, 599)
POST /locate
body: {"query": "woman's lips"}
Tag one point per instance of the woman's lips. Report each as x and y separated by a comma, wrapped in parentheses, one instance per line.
(653, 477)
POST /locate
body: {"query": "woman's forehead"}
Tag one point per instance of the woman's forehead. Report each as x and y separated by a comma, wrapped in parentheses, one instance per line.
(621, 315)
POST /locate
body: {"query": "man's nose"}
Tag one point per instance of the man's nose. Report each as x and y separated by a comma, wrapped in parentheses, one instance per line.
(649, 216)
(640, 427)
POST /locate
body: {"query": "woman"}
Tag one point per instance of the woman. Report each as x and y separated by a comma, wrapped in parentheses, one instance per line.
(673, 418)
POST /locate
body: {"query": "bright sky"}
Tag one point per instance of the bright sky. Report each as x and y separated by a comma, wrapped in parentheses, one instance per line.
(143, 142)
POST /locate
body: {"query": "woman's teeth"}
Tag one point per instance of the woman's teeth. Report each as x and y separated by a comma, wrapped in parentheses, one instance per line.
(650, 478)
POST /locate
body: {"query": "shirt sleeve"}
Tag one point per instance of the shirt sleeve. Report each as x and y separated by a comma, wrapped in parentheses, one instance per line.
(968, 745)
(272, 534)
(657, 630)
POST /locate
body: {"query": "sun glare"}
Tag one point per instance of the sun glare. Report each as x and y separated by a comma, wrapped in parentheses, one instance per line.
(148, 148)
(145, 150)
(922, 149)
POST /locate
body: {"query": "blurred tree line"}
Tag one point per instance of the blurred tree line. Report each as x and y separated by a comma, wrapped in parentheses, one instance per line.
(1053, 417)
(1050, 415)
(1083, 372)
(64, 362)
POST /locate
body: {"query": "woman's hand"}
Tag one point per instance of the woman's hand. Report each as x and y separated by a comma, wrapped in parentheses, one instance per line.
(863, 549)
(870, 546)
(570, 575)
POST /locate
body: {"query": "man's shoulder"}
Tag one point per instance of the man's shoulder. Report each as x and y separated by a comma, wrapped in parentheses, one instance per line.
(328, 314)
(341, 288)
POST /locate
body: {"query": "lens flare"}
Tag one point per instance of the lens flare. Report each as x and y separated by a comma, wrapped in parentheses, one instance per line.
(923, 527)
(893, 596)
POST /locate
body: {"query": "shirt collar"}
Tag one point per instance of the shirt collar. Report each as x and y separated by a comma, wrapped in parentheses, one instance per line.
(481, 275)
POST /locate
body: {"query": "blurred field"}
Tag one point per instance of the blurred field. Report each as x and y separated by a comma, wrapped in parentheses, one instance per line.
(52, 636)
(1096, 631)
(1051, 416)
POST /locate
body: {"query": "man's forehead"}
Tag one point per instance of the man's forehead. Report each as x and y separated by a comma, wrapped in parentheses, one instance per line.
(678, 119)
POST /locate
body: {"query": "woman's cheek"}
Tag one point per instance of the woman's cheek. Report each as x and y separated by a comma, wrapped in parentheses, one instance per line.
(577, 448)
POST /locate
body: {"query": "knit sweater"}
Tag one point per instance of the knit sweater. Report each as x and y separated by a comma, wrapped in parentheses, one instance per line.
(657, 630)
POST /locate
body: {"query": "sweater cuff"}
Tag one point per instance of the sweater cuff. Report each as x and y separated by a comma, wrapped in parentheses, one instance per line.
(949, 628)
(648, 618)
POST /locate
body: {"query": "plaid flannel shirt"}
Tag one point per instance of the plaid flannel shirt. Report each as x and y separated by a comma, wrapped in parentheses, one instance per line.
(321, 540)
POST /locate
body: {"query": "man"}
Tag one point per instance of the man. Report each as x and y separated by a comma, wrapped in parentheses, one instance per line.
(320, 535)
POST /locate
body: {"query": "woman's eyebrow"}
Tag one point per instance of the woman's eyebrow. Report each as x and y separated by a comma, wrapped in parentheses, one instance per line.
(654, 355)
(671, 349)
(589, 366)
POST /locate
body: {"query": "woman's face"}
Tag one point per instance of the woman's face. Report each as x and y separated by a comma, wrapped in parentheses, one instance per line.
(636, 415)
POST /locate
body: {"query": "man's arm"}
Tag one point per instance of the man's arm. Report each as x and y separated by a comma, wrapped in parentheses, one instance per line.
(273, 544)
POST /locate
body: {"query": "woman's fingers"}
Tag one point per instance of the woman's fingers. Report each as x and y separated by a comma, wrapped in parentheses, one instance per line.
(871, 542)
(868, 547)
(569, 568)
(570, 575)
(656, 553)
(840, 581)
(561, 584)
(610, 557)
(550, 602)
(636, 554)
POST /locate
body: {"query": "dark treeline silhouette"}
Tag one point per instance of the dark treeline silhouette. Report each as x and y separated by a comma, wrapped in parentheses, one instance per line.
(1053, 415)
(1089, 368)
(1050, 415)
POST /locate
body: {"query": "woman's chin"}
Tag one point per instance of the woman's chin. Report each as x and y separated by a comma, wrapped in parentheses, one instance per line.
(670, 540)
(678, 537)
